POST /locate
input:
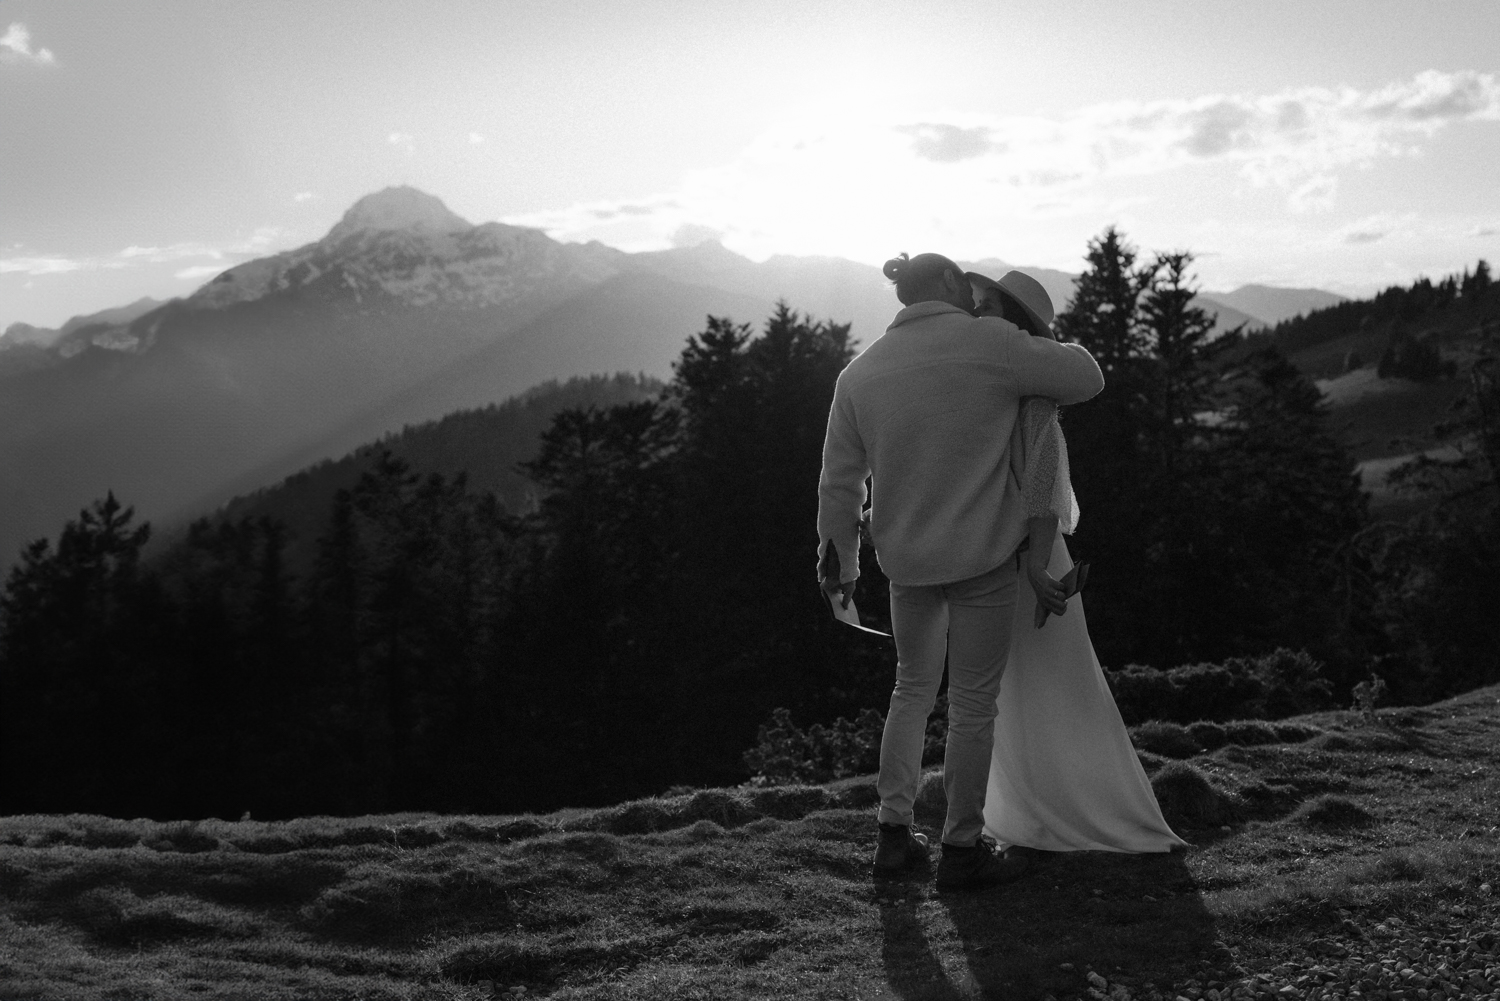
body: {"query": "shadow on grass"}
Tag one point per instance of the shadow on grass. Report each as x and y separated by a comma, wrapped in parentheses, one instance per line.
(1132, 919)
(911, 967)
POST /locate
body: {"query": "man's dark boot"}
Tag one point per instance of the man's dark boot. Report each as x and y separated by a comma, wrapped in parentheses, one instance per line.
(979, 867)
(899, 849)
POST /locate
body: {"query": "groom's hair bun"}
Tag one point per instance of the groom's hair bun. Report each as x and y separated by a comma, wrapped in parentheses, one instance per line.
(921, 277)
(895, 266)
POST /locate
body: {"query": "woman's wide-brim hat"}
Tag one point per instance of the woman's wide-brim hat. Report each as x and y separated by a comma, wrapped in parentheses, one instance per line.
(1024, 289)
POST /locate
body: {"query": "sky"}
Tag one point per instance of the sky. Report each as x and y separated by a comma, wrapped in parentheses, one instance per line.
(145, 147)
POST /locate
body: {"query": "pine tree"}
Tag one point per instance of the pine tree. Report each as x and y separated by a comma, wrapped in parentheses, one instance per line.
(1110, 436)
(1104, 314)
(1183, 350)
(76, 687)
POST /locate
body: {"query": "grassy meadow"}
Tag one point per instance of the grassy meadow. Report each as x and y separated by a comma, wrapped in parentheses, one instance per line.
(1347, 857)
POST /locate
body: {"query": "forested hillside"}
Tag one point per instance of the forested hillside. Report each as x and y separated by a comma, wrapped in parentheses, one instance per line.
(433, 647)
(484, 445)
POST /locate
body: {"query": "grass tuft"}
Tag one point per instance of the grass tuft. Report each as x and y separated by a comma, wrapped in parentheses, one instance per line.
(1360, 740)
(1333, 811)
(1289, 732)
(1187, 797)
(1399, 865)
(931, 805)
(1209, 736)
(1170, 740)
(180, 837)
(1250, 733)
(1151, 762)
(703, 830)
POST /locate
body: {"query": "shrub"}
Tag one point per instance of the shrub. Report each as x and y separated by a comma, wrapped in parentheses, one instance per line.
(1167, 739)
(784, 753)
(1367, 694)
(1279, 684)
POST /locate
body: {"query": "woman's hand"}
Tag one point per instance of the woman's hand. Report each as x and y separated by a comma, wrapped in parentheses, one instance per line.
(1050, 593)
(840, 592)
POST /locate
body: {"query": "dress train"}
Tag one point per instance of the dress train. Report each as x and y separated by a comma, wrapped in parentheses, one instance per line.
(1064, 775)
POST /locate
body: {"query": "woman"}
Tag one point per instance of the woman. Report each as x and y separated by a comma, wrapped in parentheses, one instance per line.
(1064, 775)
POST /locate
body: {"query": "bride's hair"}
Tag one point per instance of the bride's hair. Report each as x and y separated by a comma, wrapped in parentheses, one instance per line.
(917, 278)
(1013, 312)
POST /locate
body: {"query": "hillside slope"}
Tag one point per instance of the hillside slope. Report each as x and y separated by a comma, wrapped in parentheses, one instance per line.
(1363, 858)
(1273, 304)
(485, 444)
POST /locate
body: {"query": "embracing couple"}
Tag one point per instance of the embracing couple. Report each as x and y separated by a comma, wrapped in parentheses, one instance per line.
(951, 415)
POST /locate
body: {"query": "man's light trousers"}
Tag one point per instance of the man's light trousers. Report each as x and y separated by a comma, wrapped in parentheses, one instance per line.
(970, 622)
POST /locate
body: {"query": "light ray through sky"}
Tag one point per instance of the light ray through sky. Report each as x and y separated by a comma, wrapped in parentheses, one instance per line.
(1341, 145)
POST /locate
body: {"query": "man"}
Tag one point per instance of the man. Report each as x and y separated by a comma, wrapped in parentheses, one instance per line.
(926, 412)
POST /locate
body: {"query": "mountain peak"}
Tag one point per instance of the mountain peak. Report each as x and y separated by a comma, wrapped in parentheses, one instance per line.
(401, 207)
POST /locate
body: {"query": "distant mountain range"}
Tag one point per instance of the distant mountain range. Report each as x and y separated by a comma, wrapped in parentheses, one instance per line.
(403, 313)
(46, 337)
(1271, 305)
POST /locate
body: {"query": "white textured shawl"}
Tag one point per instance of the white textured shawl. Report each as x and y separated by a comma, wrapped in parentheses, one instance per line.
(1040, 455)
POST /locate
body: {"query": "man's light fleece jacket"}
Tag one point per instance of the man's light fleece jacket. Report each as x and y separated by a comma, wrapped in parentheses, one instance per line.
(927, 411)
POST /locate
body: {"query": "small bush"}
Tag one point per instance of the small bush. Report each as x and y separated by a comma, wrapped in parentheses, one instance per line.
(784, 753)
(1280, 684)
(1167, 739)
(1186, 796)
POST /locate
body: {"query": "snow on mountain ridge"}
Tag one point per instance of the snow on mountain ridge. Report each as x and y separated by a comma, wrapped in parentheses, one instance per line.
(412, 250)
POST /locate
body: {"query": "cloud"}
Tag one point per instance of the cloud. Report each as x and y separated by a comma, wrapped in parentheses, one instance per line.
(39, 265)
(1484, 231)
(475, 138)
(1316, 194)
(225, 254)
(15, 47)
(403, 139)
(1385, 225)
(823, 183)
(944, 143)
(303, 196)
(199, 271)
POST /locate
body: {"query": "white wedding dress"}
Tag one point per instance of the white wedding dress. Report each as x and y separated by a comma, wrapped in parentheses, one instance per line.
(1064, 775)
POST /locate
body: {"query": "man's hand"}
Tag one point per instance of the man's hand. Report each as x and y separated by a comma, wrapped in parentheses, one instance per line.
(842, 592)
(1051, 596)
